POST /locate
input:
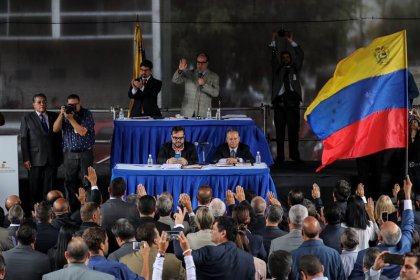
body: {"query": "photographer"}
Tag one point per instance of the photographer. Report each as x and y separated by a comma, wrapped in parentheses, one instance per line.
(286, 95)
(77, 125)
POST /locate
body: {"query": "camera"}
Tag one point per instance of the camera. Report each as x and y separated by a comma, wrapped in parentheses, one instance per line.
(283, 33)
(137, 245)
(69, 108)
(394, 259)
(173, 235)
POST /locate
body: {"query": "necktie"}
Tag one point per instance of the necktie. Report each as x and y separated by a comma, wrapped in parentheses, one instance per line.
(232, 154)
(44, 123)
(144, 82)
(286, 80)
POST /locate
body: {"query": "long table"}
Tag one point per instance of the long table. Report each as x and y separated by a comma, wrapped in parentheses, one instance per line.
(134, 140)
(156, 180)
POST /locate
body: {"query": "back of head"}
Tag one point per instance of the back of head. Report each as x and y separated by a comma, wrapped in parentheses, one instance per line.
(147, 205)
(297, 214)
(132, 199)
(279, 264)
(26, 234)
(294, 197)
(356, 215)
(241, 214)
(147, 233)
(88, 210)
(310, 206)
(310, 265)
(258, 204)
(123, 229)
(342, 190)
(204, 195)
(242, 241)
(53, 195)
(229, 225)
(390, 233)
(204, 218)
(275, 214)
(349, 239)
(370, 256)
(384, 204)
(217, 207)
(43, 212)
(61, 206)
(118, 187)
(16, 214)
(311, 227)
(11, 200)
(332, 214)
(77, 251)
(94, 237)
(164, 205)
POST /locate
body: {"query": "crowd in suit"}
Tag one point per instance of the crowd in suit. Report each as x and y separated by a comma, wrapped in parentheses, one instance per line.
(244, 237)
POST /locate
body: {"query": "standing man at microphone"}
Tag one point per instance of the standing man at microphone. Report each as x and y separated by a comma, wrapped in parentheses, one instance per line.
(201, 85)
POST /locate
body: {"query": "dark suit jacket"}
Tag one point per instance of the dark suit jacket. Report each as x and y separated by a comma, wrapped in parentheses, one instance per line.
(112, 210)
(224, 261)
(279, 73)
(257, 224)
(144, 220)
(62, 220)
(243, 152)
(146, 98)
(268, 234)
(331, 236)
(46, 237)
(189, 153)
(256, 245)
(38, 146)
(23, 263)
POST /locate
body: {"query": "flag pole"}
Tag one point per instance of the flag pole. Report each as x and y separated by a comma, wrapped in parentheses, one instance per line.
(407, 127)
(138, 56)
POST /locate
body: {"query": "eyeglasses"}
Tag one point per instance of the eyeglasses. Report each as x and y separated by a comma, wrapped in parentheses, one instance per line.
(201, 62)
(41, 102)
(178, 138)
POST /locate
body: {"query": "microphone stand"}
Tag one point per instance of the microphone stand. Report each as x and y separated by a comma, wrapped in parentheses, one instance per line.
(200, 75)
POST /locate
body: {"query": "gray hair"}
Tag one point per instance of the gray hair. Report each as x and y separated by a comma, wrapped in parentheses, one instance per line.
(217, 207)
(164, 205)
(204, 218)
(16, 214)
(349, 240)
(275, 214)
(258, 204)
(370, 256)
(297, 214)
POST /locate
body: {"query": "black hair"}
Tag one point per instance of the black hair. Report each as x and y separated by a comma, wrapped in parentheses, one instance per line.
(39, 95)
(229, 225)
(295, 196)
(356, 216)
(118, 187)
(123, 229)
(147, 205)
(73, 96)
(279, 264)
(147, 63)
(332, 214)
(342, 190)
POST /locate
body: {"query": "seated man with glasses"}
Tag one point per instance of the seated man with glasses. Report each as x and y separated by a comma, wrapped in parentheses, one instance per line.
(178, 151)
(201, 85)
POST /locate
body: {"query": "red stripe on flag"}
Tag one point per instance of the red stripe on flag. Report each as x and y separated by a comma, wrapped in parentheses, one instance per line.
(379, 131)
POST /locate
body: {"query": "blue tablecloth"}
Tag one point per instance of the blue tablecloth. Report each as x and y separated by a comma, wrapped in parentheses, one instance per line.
(176, 182)
(134, 140)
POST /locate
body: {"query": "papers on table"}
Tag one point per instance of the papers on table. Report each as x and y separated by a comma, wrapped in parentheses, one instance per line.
(235, 116)
(171, 166)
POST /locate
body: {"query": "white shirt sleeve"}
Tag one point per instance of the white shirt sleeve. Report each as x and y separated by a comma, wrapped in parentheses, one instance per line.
(190, 267)
(158, 268)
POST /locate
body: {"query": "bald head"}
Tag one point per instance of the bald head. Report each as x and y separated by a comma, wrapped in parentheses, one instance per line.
(12, 200)
(390, 233)
(61, 206)
(311, 228)
(77, 251)
(204, 195)
(53, 195)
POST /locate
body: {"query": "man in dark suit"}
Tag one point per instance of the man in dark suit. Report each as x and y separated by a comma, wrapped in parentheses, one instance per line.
(178, 151)
(46, 234)
(147, 209)
(223, 261)
(286, 96)
(23, 262)
(115, 208)
(233, 151)
(143, 92)
(333, 230)
(41, 148)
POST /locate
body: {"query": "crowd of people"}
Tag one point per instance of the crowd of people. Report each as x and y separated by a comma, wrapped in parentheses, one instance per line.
(244, 237)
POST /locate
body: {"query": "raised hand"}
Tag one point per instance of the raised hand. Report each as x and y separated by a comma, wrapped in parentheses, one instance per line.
(272, 200)
(183, 64)
(316, 191)
(240, 194)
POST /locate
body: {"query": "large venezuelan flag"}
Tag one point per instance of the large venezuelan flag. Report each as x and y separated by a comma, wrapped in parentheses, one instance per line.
(363, 108)
(139, 55)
